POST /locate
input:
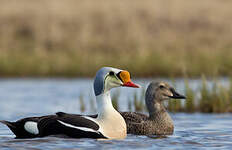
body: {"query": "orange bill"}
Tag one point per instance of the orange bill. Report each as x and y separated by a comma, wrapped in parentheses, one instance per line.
(125, 77)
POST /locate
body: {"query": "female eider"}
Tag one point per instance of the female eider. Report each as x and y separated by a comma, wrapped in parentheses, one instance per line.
(107, 124)
(158, 122)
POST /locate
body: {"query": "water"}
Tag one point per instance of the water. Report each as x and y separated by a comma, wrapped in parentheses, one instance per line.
(32, 97)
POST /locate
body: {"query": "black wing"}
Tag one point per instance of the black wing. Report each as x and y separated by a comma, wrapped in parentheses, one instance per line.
(62, 114)
(49, 125)
(71, 125)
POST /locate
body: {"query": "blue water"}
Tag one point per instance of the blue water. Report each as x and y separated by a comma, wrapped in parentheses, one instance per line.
(33, 97)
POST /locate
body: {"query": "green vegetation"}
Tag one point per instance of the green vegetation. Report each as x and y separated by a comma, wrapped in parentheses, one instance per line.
(114, 98)
(215, 99)
(174, 105)
(189, 103)
(82, 104)
(165, 38)
(153, 38)
(138, 103)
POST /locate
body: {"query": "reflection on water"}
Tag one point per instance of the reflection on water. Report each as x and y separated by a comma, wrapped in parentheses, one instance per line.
(20, 98)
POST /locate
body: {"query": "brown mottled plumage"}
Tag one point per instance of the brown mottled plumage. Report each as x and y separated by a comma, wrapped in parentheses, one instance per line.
(158, 122)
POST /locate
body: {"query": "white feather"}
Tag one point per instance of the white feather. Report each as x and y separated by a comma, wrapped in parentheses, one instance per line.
(31, 127)
(90, 118)
(94, 120)
(75, 127)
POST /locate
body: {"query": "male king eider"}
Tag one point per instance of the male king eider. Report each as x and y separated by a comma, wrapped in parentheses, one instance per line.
(107, 124)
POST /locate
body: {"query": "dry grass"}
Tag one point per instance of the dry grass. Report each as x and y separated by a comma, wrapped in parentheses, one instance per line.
(204, 99)
(152, 38)
(217, 99)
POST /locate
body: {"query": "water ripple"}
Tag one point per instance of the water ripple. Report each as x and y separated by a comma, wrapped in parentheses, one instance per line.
(192, 131)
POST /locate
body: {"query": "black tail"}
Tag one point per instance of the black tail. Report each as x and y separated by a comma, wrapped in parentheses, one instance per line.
(18, 129)
(11, 125)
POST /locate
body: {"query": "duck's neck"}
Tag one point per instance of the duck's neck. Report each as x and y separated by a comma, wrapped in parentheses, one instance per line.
(156, 109)
(104, 104)
(111, 122)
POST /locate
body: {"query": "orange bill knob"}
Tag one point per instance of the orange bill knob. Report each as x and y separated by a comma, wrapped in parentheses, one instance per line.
(125, 77)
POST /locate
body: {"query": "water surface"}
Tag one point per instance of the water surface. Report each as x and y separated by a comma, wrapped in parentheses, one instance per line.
(32, 97)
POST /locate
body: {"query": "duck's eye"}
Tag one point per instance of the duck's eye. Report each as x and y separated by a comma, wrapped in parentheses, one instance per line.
(111, 73)
(161, 86)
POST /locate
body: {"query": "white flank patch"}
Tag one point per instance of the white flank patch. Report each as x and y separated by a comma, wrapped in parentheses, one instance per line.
(94, 120)
(75, 127)
(31, 127)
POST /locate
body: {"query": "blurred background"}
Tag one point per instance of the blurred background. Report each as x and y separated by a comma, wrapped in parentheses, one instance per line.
(75, 38)
(186, 43)
(50, 51)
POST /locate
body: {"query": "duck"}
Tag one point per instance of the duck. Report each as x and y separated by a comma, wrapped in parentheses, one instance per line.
(158, 122)
(107, 124)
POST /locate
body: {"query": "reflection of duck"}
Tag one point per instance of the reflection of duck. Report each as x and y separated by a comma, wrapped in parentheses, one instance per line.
(158, 122)
(108, 124)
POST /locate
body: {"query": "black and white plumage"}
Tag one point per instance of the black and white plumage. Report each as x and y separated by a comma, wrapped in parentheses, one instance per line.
(108, 123)
(75, 126)
(24, 128)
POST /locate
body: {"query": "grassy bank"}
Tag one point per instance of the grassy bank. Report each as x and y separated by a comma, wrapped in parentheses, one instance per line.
(209, 100)
(153, 38)
(215, 99)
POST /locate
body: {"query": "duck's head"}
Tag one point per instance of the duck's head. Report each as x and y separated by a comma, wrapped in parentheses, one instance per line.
(108, 78)
(160, 91)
